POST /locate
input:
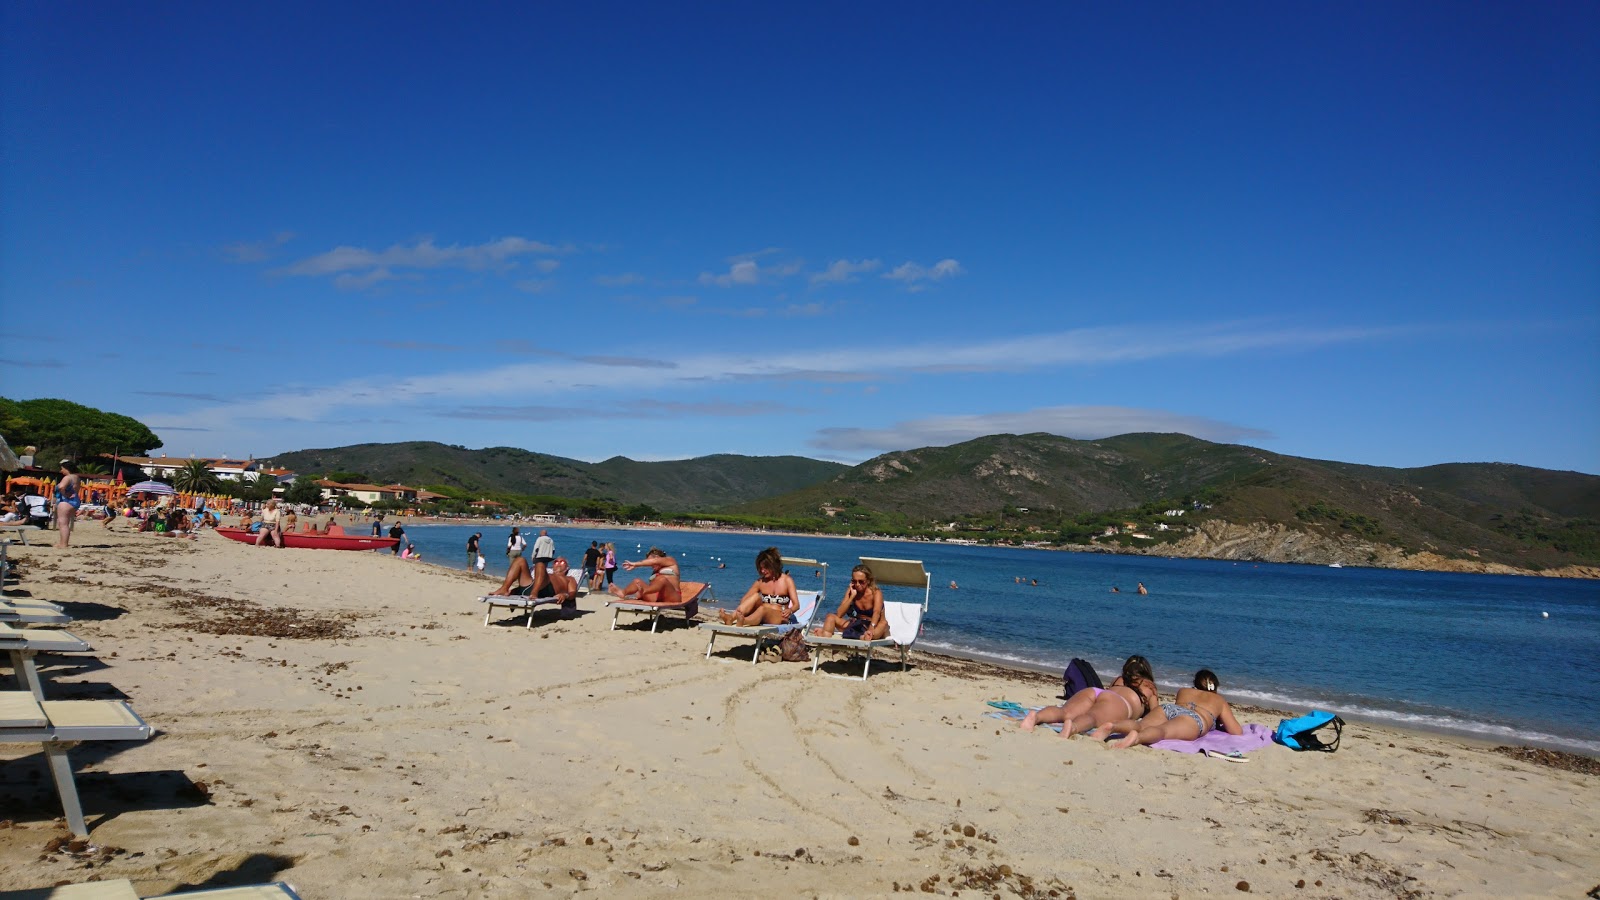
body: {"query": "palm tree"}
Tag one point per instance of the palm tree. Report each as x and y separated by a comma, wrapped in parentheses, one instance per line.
(194, 477)
(92, 468)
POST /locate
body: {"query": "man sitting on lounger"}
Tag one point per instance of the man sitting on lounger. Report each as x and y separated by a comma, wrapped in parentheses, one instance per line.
(520, 582)
(663, 584)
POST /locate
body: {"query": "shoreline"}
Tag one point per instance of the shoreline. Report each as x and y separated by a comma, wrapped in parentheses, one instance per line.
(353, 727)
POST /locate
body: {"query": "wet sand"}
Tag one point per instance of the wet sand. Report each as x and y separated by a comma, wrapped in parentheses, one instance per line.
(345, 722)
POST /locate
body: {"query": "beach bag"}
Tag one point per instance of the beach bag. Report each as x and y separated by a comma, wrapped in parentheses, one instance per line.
(792, 648)
(1078, 676)
(1300, 733)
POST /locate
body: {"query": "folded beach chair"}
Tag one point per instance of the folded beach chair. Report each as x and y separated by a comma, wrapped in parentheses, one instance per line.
(526, 604)
(905, 619)
(122, 889)
(57, 725)
(25, 643)
(688, 603)
(810, 602)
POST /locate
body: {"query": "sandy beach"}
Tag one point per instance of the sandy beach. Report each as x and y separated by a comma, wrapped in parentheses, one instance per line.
(345, 722)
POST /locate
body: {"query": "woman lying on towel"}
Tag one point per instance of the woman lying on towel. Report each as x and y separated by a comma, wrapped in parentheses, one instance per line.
(1131, 696)
(520, 582)
(860, 616)
(663, 584)
(1197, 710)
(772, 598)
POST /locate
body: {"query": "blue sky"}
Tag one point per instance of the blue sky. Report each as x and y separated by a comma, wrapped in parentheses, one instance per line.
(1364, 232)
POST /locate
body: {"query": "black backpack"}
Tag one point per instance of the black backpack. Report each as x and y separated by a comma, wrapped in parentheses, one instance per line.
(1077, 676)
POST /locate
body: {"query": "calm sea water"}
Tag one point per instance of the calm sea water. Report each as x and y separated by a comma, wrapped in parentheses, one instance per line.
(1470, 654)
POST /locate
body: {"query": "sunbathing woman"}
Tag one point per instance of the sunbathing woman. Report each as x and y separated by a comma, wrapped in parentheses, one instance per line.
(663, 584)
(1131, 696)
(1197, 710)
(860, 616)
(772, 598)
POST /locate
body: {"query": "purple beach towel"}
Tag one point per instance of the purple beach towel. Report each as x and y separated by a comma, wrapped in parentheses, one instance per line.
(1254, 737)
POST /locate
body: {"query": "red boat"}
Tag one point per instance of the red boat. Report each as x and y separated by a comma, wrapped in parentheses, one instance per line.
(316, 540)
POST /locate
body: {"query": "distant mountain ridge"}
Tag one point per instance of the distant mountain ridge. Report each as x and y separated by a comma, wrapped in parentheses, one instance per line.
(1494, 512)
(685, 485)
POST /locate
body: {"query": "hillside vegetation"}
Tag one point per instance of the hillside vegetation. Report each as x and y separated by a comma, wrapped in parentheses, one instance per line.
(685, 485)
(1058, 490)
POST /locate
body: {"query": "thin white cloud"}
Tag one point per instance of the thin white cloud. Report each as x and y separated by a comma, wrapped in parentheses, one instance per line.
(257, 251)
(535, 285)
(638, 409)
(626, 279)
(823, 363)
(912, 275)
(1081, 422)
(744, 271)
(843, 271)
(359, 267)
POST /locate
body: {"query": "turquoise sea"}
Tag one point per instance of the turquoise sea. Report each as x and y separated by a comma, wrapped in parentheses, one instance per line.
(1467, 654)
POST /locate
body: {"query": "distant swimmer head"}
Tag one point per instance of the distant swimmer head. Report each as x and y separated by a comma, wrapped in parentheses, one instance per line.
(1206, 680)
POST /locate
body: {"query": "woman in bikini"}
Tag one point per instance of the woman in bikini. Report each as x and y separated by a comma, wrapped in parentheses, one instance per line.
(860, 616)
(663, 584)
(1196, 711)
(1131, 696)
(772, 598)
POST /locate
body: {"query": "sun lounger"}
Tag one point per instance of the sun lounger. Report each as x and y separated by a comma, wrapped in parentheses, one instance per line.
(810, 602)
(26, 612)
(526, 604)
(25, 643)
(688, 603)
(122, 889)
(20, 530)
(905, 619)
(56, 725)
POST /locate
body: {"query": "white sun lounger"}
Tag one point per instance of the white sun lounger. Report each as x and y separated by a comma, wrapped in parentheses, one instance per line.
(810, 602)
(25, 643)
(905, 619)
(688, 603)
(57, 725)
(526, 604)
(122, 889)
(19, 611)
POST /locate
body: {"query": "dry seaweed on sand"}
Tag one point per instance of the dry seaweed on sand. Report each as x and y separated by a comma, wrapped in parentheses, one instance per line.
(1555, 759)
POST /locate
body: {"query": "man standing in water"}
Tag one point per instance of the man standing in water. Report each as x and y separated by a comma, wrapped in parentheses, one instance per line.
(472, 549)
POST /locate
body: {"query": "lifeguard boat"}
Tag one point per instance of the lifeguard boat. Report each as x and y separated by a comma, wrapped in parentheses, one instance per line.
(316, 540)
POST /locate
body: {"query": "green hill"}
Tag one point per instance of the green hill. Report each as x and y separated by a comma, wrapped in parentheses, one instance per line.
(1054, 487)
(683, 485)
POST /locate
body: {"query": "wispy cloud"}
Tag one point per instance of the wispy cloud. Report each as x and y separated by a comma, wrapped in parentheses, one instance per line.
(1081, 422)
(33, 363)
(177, 395)
(257, 251)
(843, 271)
(745, 271)
(913, 275)
(420, 346)
(626, 279)
(355, 268)
(535, 285)
(822, 363)
(638, 409)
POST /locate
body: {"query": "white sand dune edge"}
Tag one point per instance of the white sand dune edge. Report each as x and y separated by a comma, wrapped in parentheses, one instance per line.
(428, 756)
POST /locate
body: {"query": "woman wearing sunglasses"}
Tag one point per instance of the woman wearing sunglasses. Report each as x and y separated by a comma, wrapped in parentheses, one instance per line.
(860, 616)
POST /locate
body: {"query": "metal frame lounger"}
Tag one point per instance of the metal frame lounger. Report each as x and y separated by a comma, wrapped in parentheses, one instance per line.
(25, 643)
(18, 612)
(57, 725)
(810, 602)
(524, 603)
(905, 619)
(122, 889)
(688, 603)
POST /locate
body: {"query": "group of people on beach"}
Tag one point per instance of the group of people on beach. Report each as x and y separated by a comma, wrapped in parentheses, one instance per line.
(1131, 707)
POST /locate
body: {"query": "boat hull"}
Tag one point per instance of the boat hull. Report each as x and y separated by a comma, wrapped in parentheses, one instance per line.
(305, 540)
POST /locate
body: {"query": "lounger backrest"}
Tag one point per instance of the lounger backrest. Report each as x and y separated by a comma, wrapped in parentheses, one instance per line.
(901, 573)
(809, 601)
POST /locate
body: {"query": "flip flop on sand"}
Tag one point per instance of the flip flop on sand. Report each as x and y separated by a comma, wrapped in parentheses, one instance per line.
(1009, 706)
(1233, 757)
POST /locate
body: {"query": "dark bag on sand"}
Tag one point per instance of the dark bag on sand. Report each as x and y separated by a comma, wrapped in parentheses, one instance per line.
(1078, 675)
(1300, 733)
(792, 648)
